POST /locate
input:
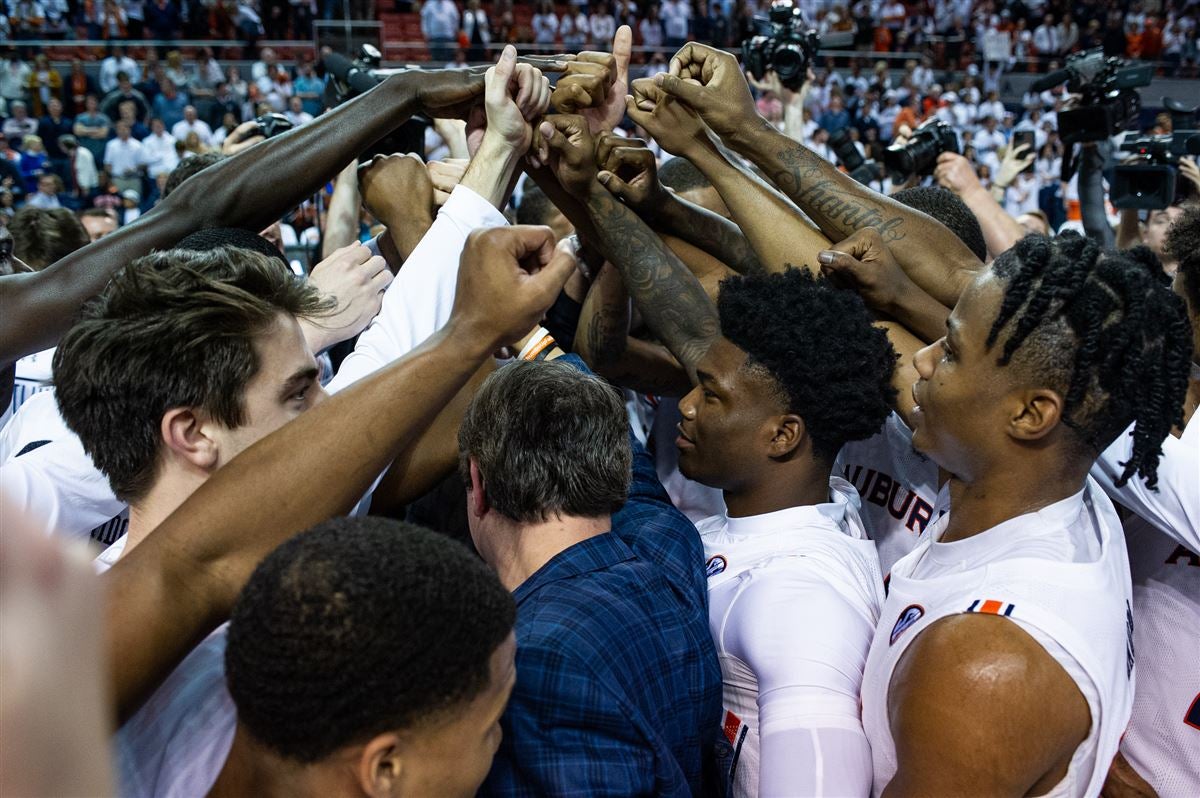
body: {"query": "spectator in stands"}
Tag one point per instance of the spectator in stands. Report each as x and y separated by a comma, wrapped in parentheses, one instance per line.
(114, 65)
(34, 162)
(27, 18)
(92, 127)
(82, 179)
(49, 186)
(162, 19)
(127, 112)
(50, 127)
(836, 117)
(14, 77)
(676, 18)
(170, 106)
(123, 159)
(439, 25)
(191, 123)
(296, 113)
(545, 24)
(574, 28)
(124, 92)
(158, 150)
(111, 20)
(602, 25)
(476, 31)
(44, 84)
(77, 87)
(651, 29)
(309, 88)
(228, 125)
(20, 124)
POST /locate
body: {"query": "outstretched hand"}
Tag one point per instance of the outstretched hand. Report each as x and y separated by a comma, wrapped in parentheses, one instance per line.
(595, 84)
(507, 278)
(630, 172)
(711, 82)
(356, 280)
(677, 128)
(514, 95)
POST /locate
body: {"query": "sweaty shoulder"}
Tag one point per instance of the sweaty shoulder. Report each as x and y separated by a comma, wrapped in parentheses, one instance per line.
(977, 705)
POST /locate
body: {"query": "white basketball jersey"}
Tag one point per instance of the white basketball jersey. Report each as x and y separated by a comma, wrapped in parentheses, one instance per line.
(898, 486)
(793, 595)
(1163, 741)
(1062, 574)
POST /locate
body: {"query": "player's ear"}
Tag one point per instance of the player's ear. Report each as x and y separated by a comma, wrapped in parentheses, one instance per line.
(788, 432)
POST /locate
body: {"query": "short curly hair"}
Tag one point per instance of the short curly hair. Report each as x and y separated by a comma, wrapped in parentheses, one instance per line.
(357, 627)
(833, 366)
(946, 207)
(1183, 247)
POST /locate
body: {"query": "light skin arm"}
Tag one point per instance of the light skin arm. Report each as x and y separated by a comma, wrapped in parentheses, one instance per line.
(169, 592)
(778, 234)
(251, 191)
(1000, 231)
(341, 220)
(710, 81)
(671, 300)
(966, 683)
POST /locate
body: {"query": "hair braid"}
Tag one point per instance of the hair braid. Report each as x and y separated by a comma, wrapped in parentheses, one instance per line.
(1131, 339)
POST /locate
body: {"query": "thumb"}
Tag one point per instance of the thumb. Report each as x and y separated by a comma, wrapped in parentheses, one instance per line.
(525, 240)
(614, 184)
(547, 282)
(833, 262)
(499, 76)
(679, 88)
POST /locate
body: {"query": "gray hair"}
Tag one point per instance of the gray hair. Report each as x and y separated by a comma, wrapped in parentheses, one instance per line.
(548, 440)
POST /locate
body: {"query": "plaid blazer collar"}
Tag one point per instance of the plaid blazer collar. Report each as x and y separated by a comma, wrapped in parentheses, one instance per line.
(594, 554)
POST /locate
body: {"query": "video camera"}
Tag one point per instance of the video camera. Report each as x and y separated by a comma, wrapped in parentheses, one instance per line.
(783, 42)
(918, 156)
(348, 79)
(1108, 102)
(1150, 183)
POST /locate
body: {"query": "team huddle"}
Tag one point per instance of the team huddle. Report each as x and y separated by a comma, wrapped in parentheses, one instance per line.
(744, 479)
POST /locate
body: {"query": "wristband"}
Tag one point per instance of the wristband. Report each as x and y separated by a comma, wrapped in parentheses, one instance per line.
(539, 342)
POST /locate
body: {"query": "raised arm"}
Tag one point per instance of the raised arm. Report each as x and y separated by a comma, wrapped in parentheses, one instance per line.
(1000, 230)
(250, 190)
(172, 590)
(779, 235)
(670, 299)
(631, 173)
(711, 82)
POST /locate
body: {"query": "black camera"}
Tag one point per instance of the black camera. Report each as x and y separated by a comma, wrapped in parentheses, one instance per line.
(919, 155)
(271, 125)
(349, 79)
(783, 43)
(862, 170)
(1149, 182)
(1108, 101)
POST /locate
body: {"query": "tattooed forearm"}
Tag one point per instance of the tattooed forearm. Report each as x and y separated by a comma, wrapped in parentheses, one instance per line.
(711, 233)
(604, 320)
(826, 202)
(670, 298)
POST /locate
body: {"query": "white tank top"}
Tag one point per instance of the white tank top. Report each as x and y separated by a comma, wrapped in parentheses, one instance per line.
(898, 486)
(1163, 741)
(1060, 573)
(794, 596)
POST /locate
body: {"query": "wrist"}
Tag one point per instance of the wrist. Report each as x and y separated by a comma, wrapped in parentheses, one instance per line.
(749, 135)
(317, 337)
(491, 171)
(469, 338)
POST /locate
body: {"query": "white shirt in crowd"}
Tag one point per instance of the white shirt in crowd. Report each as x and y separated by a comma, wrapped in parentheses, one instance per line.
(545, 28)
(110, 67)
(181, 129)
(794, 596)
(122, 158)
(158, 153)
(675, 16)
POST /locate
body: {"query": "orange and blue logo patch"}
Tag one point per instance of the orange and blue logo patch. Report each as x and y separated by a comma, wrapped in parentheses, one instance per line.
(910, 615)
(991, 607)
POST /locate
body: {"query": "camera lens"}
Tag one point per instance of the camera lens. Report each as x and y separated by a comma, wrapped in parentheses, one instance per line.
(789, 63)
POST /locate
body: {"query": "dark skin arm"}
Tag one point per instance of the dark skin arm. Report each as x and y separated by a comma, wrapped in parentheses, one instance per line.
(778, 234)
(967, 683)
(711, 83)
(603, 341)
(251, 190)
(631, 173)
(174, 588)
(672, 302)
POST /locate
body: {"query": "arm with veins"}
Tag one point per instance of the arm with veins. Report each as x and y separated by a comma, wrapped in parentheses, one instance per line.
(711, 83)
(778, 233)
(341, 220)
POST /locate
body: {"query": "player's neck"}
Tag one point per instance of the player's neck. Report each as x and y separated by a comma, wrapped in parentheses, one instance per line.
(801, 482)
(252, 769)
(1008, 490)
(170, 490)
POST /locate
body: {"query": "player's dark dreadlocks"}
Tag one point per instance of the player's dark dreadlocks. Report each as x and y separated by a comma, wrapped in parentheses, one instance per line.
(1106, 331)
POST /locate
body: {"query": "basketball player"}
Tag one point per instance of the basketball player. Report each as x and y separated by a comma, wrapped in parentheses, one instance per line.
(1003, 658)
(794, 583)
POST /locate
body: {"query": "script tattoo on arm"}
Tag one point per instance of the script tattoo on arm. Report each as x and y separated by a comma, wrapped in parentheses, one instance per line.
(824, 193)
(670, 298)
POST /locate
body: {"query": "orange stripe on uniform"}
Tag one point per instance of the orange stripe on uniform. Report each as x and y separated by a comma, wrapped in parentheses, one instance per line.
(991, 606)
